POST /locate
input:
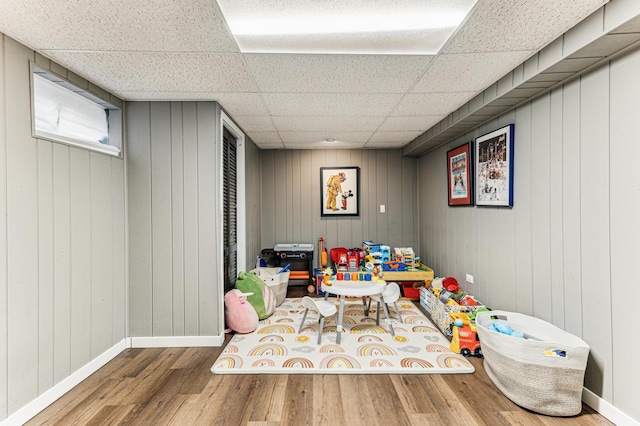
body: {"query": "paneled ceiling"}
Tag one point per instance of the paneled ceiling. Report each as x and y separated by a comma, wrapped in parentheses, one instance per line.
(182, 50)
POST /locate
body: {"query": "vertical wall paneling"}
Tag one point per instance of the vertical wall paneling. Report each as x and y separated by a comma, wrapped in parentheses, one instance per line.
(81, 270)
(625, 228)
(57, 260)
(267, 195)
(595, 205)
(253, 198)
(395, 191)
(161, 226)
(571, 214)
(45, 265)
(62, 261)
(118, 250)
(523, 175)
(139, 193)
(22, 232)
(540, 208)
(101, 254)
(191, 215)
(174, 187)
(177, 220)
(573, 229)
(318, 224)
(355, 159)
(385, 178)
(210, 210)
(3, 240)
(556, 186)
(306, 200)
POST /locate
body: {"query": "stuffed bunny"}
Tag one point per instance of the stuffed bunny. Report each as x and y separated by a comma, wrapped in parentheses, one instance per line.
(241, 316)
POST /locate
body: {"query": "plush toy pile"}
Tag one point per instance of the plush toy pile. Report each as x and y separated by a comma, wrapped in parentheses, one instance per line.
(252, 300)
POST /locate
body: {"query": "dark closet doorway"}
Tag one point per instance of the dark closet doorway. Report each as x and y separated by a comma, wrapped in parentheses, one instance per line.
(230, 209)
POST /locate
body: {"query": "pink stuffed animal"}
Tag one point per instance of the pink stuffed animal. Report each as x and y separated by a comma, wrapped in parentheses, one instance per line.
(240, 315)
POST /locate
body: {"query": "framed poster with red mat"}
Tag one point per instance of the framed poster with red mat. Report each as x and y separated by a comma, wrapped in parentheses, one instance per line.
(459, 175)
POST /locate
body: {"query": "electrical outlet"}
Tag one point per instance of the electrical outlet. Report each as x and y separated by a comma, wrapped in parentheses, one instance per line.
(383, 208)
(470, 278)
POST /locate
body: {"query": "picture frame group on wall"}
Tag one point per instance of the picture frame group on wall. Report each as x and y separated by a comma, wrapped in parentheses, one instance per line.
(494, 168)
(339, 191)
(459, 175)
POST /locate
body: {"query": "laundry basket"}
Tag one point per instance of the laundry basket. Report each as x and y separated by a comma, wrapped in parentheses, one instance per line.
(543, 372)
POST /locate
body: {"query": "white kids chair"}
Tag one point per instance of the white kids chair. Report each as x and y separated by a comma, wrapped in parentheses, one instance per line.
(390, 295)
(323, 307)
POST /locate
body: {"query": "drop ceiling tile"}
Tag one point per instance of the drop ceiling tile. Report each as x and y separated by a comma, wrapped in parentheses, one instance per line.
(468, 72)
(267, 138)
(327, 123)
(431, 103)
(255, 123)
(497, 25)
(242, 103)
(324, 145)
(324, 104)
(126, 25)
(165, 72)
(311, 137)
(233, 103)
(421, 123)
(336, 73)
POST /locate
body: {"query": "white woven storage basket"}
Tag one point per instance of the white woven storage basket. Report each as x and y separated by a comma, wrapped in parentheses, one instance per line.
(543, 373)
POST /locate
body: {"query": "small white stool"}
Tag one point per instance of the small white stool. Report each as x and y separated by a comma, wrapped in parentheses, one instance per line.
(390, 295)
(324, 308)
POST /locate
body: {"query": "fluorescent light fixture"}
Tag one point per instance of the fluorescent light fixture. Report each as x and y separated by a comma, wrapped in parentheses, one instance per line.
(384, 27)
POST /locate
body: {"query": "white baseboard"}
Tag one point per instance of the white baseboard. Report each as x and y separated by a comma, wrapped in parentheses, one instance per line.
(607, 410)
(43, 401)
(176, 341)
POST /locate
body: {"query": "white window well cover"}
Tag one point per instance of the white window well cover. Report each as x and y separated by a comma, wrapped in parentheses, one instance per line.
(61, 114)
(400, 27)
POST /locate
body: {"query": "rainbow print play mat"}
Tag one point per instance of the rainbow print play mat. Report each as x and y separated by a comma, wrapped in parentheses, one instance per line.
(276, 347)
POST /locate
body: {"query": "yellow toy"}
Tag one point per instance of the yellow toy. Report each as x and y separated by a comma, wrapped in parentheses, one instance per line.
(334, 187)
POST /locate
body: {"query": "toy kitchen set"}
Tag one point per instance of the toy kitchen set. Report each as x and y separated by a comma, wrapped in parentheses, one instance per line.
(298, 257)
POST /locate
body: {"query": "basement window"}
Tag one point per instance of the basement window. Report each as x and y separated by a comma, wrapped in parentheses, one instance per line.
(65, 113)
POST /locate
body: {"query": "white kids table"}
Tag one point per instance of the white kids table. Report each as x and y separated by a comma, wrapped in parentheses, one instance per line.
(356, 289)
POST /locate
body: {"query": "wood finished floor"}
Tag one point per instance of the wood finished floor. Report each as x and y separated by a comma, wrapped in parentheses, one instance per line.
(174, 386)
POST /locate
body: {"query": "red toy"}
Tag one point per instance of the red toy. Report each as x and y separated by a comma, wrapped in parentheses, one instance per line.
(450, 284)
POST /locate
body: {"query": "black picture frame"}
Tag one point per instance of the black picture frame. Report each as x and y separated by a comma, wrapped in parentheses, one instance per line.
(494, 168)
(460, 175)
(340, 191)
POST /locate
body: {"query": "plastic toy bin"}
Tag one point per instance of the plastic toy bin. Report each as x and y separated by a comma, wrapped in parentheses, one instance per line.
(277, 282)
(440, 312)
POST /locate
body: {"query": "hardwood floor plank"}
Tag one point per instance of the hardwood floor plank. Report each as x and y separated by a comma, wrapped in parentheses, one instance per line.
(174, 386)
(298, 401)
(267, 400)
(327, 400)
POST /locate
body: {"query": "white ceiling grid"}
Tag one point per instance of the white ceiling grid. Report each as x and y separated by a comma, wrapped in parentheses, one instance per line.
(182, 50)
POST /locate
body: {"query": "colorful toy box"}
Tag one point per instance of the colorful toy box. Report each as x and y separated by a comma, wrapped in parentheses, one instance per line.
(440, 312)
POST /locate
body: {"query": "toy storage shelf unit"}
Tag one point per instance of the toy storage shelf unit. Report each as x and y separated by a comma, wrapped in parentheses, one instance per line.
(299, 256)
(406, 279)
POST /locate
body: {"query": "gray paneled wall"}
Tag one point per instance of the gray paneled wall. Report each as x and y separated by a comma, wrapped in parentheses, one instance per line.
(567, 250)
(62, 250)
(253, 193)
(173, 184)
(291, 198)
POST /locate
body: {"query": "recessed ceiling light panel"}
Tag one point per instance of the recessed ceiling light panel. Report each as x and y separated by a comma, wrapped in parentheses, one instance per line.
(401, 27)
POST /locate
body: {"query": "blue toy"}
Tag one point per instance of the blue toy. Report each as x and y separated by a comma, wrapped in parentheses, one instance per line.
(505, 328)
